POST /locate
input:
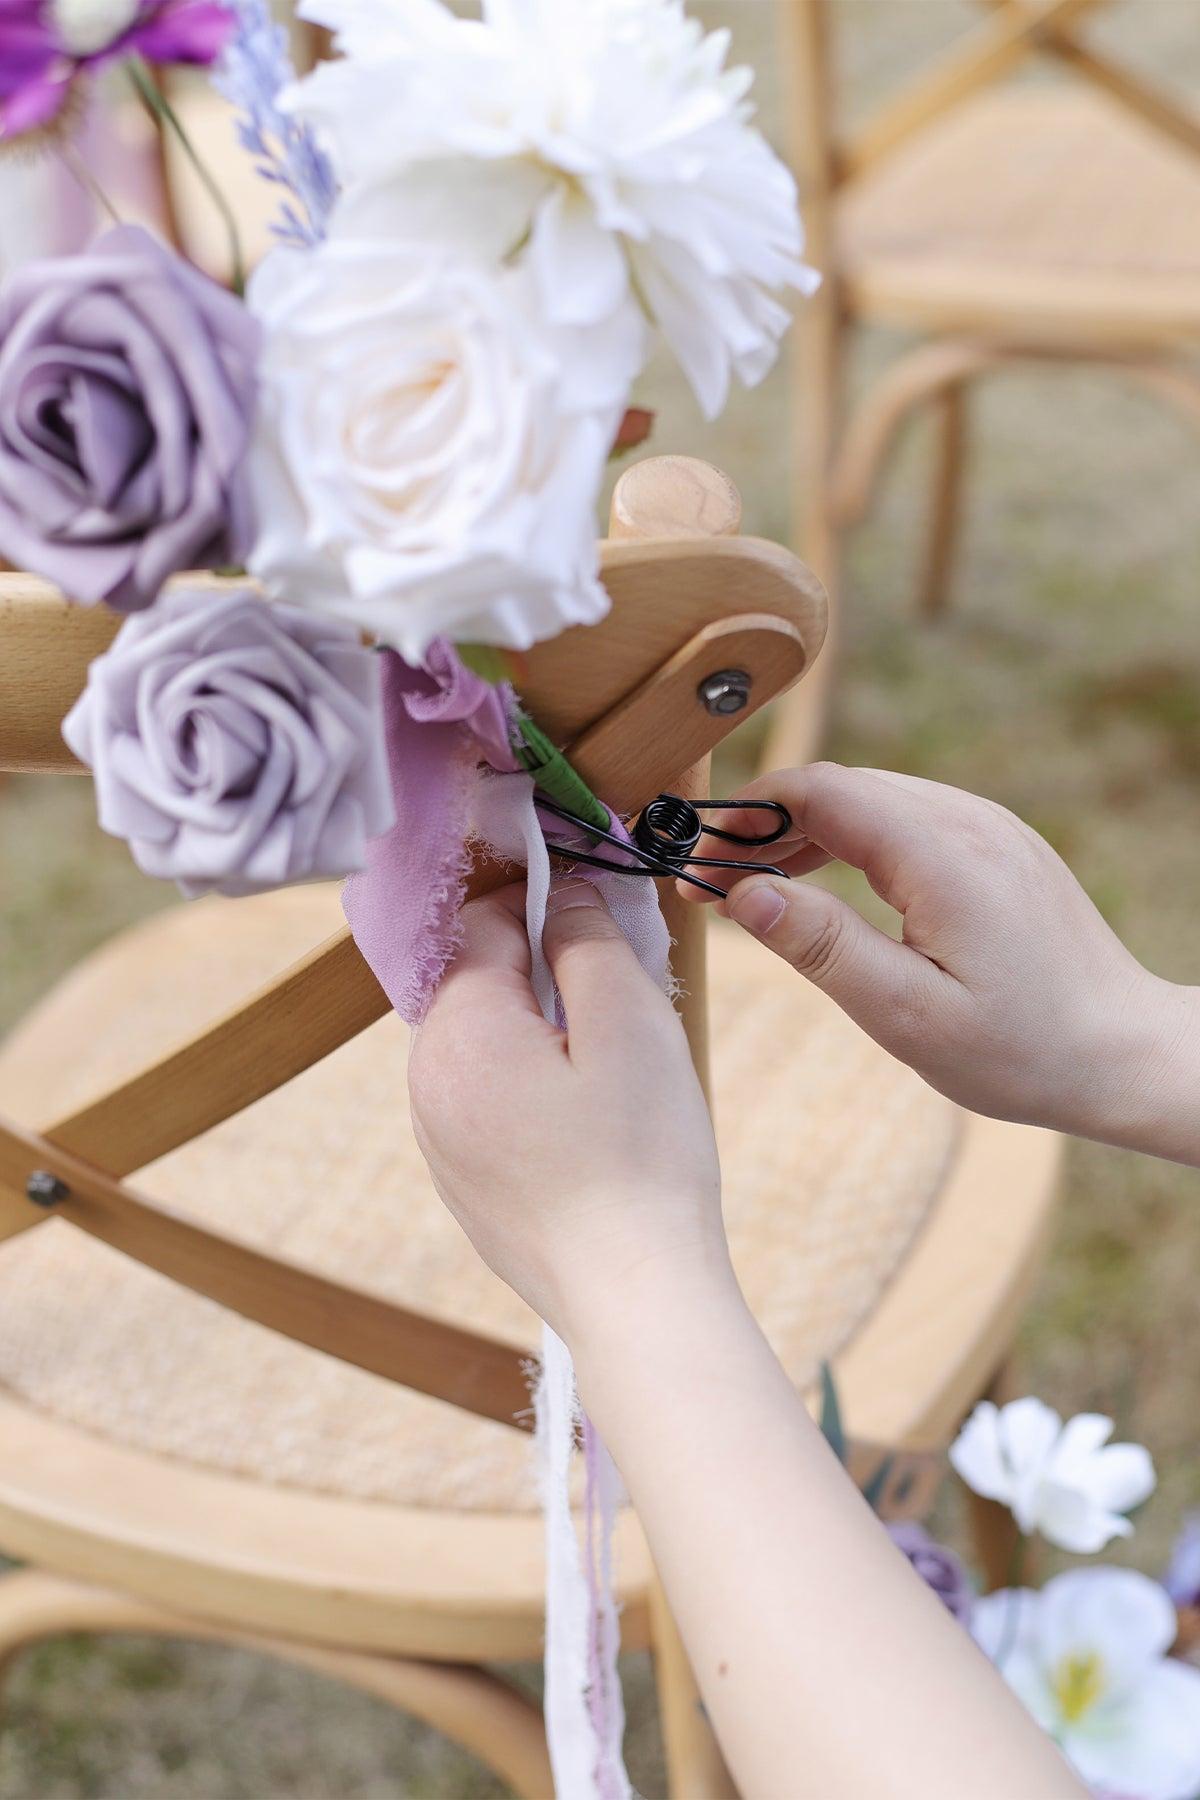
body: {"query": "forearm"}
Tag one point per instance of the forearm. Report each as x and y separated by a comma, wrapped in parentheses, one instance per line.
(1152, 1101)
(826, 1665)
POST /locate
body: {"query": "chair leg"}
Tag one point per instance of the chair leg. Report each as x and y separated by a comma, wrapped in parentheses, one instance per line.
(695, 1767)
(469, 1705)
(993, 1530)
(798, 721)
(994, 1536)
(946, 499)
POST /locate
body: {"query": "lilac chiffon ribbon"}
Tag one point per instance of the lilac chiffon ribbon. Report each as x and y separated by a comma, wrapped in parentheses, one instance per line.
(403, 909)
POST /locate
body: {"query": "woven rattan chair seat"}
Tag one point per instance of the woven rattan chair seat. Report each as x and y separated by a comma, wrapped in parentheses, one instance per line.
(1047, 200)
(834, 1155)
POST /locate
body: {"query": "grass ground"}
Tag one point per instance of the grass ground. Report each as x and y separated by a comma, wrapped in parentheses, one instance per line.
(1065, 684)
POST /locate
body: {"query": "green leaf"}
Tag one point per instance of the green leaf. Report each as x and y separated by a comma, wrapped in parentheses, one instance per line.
(874, 1491)
(485, 661)
(831, 1415)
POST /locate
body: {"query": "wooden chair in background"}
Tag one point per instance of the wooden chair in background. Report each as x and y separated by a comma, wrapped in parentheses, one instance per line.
(275, 1403)
(996, 221)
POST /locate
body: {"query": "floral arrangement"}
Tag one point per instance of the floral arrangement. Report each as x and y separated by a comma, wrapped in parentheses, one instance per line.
(1099, 1654)
(404, 424)
(394, 437)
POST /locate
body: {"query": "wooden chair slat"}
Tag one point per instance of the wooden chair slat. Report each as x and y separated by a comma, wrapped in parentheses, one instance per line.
(662, 593)
(1152, 104)
(470, 1371)
(1145, 102)
(310, 1010)
(45, 648)
(993, 48)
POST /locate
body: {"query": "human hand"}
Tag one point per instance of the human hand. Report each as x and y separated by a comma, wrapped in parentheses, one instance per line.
(1008, 993)
(579, 1163)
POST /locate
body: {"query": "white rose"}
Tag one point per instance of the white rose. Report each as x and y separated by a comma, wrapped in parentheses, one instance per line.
(604, 142)
(428, 460)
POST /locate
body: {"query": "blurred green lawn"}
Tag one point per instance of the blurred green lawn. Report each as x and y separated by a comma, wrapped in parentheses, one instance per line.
(1066, 684)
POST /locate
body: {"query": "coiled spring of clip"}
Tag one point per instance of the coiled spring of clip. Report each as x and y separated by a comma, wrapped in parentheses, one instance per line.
(666, 836)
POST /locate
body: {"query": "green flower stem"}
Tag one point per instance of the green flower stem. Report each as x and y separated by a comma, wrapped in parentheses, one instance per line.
(1018, 1559)
(87, 180)
(1016, 1571)
(536, 753)
(164, 113)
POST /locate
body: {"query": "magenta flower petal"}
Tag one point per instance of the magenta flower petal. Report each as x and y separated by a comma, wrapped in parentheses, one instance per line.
(35, 105)
(182, 31)
(37, 67)
(34, 77)
(27, 49)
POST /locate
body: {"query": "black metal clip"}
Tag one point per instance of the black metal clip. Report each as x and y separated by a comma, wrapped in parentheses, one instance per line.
(666, 836)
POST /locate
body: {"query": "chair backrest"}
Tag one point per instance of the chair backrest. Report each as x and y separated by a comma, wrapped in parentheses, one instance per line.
(627, 697)
(1012, 32)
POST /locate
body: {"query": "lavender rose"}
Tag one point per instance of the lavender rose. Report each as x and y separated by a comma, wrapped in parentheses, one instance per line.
(938, 1568)
(235, 744)
(127, 383)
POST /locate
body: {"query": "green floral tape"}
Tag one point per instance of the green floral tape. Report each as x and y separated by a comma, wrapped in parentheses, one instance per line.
(556, 778)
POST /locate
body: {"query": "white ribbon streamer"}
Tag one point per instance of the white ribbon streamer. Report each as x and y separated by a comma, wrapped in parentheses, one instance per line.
(585, 1755)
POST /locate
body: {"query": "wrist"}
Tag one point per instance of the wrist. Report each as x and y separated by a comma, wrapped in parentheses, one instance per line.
(651, 1307)
(1152, 1102)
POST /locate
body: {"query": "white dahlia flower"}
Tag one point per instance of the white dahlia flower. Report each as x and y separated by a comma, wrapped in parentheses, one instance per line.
(603, 141)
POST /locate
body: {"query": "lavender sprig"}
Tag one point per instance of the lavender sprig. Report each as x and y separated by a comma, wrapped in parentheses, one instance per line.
(253, 72)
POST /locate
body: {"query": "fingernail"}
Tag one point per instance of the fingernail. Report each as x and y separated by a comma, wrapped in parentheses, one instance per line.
(575, 893)
(757, 907)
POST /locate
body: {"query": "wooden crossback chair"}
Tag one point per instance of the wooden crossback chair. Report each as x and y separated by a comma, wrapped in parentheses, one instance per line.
(266, 1392)
(998, 221)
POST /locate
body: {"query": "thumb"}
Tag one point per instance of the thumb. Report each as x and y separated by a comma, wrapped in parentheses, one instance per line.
(888, 988)
(604, 988)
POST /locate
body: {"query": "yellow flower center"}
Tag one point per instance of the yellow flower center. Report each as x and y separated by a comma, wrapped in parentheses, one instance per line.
(1079, 1681)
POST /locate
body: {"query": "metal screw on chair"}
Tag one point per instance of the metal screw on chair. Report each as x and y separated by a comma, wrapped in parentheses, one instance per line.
(727, 691)
(45, 1189)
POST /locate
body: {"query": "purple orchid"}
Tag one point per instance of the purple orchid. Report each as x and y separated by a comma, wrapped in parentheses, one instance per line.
(46, 44)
